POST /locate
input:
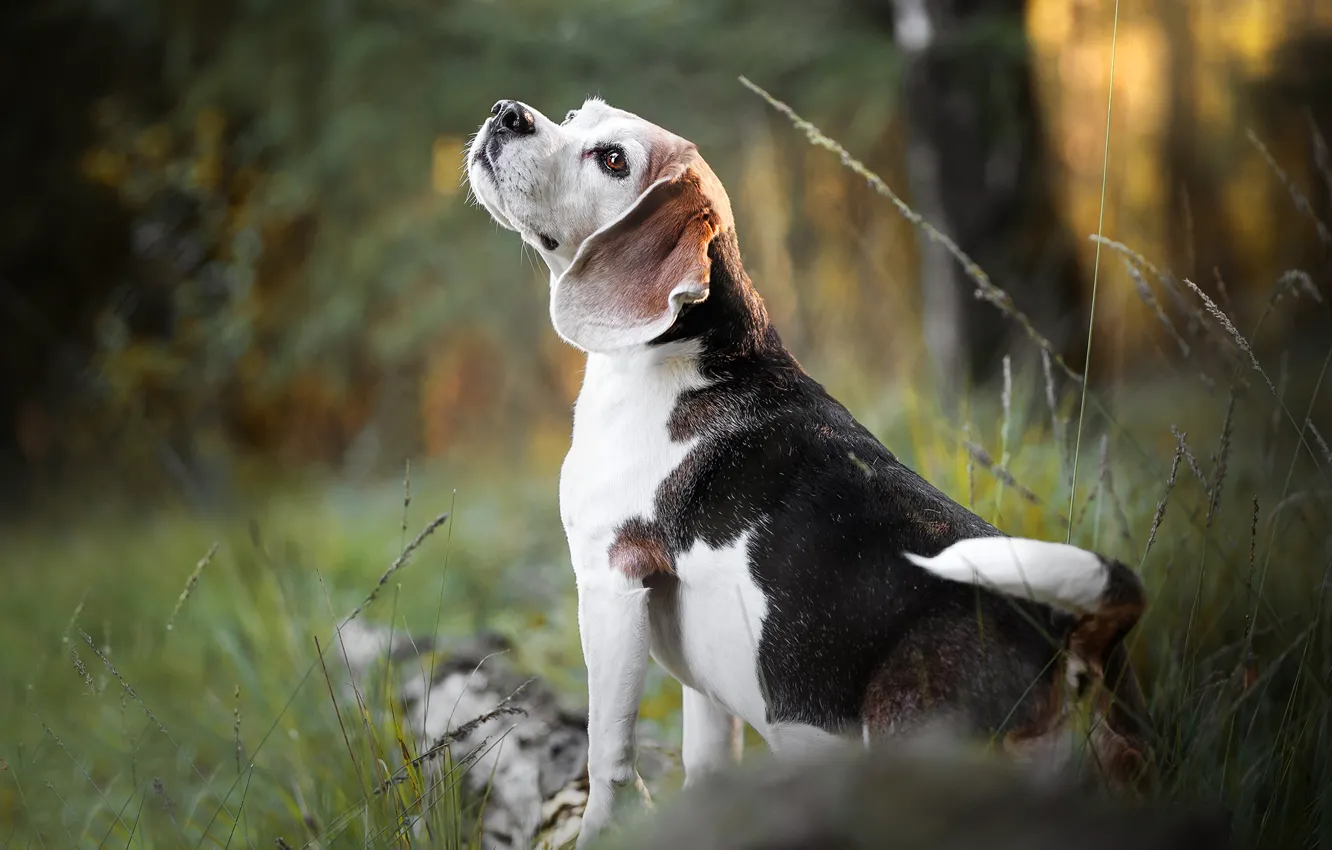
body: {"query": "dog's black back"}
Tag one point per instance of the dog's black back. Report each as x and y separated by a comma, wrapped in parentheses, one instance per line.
(854, 632)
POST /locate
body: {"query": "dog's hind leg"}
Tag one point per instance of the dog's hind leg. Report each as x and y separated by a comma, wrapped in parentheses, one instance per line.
(712, 737)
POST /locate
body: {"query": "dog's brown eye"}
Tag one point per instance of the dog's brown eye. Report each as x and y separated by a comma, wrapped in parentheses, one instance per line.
(613, 160)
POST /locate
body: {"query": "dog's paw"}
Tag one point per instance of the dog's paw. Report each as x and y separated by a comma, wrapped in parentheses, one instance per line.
(609, 803)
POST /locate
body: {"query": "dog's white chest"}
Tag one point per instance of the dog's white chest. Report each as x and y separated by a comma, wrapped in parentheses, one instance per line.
(705, 627)
(622, 449)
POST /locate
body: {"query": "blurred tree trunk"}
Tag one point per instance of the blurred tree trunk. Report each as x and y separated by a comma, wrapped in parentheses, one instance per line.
(1197, 233)
(980, 172)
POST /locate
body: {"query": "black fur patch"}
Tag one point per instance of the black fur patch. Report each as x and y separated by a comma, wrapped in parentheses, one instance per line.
(831, 510)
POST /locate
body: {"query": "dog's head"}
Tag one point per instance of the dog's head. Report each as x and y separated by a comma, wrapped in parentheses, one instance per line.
(621, 210)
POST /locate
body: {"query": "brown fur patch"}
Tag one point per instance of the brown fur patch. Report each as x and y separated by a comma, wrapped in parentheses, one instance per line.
(903, 691)
(1121, 606)
(1046, 720)
(640, 551)
(1125, 745)
(626, 274)
(1119, 754)
(1098, 633)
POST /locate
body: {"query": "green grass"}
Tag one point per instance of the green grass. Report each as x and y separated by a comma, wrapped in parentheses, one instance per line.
(84, 764)
(230, 729)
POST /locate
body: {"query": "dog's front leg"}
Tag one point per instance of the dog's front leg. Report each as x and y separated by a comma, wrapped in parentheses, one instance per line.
(613, 624)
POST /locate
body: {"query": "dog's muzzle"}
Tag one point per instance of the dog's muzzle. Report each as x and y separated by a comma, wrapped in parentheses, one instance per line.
(510, 120)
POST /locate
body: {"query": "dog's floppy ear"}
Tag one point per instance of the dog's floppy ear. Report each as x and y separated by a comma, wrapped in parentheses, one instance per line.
(630, 279)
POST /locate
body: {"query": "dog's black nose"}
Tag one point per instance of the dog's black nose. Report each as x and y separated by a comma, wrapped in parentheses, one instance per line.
(514, 117)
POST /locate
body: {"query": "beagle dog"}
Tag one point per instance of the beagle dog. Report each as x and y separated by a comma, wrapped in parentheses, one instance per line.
(728, 518)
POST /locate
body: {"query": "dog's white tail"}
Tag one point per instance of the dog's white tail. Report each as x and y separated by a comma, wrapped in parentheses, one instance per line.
(1105, 593)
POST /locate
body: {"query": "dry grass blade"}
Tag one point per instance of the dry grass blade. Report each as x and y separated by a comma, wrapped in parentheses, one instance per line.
(986, 289)
(1318, 438)
(190, 583)
(1149, 298)
(1168, 281)
(1249, 606)
(83, 770)
(168, 806)
(1243, 345)
(73, 619)
(1108, 483)
(333, 700)
(244, 791)
(1222, 461)
(1194, 466)
(462, 766)
(1301, 202)
(504, 708)
(983, 459)
(1180, 450)
(1197, 316)
(1235, 335)
(398, 563)
(236, 733)
(1296, 281)
(1096, 273)
(442, 745)
(129, 690)
(1057, 424)
(82, 670)
(64, 807)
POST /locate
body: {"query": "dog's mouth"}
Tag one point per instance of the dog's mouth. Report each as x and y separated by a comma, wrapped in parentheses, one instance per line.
(484, 153)
(480, 156)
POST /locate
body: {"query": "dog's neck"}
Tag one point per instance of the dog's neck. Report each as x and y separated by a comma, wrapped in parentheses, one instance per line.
(708, 337)
(732, 321)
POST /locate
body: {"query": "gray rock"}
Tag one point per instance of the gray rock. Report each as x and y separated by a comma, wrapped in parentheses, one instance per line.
(916, 798)
(525, 750)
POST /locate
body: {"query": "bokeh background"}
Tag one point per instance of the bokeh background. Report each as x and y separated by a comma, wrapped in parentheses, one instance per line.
(242, 287)
(238, 231)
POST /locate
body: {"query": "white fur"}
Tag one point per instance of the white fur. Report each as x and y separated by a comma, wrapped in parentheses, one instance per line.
(705, 633)
(548, 185)
(712, 737)
(613, 624)
(544, 185)
(800, 741)
(621, 449)
(1053, 573)
(704, 630)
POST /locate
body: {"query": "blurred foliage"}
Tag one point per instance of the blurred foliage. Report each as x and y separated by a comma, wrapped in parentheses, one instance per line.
(1234, 650)
(241, 232)
(298, 224)
(237, 229)
(1184, 183)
